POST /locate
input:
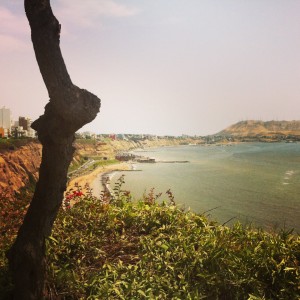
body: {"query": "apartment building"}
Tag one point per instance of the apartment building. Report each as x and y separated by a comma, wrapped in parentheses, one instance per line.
(5, 121)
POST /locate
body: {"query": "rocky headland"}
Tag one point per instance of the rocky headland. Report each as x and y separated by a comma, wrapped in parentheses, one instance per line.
(252, 128)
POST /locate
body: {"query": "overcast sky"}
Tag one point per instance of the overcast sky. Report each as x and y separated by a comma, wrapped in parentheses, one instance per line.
(164, 66)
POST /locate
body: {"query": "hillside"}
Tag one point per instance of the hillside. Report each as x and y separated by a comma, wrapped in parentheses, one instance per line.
(260, 128)
(109, 148)
(19, 167)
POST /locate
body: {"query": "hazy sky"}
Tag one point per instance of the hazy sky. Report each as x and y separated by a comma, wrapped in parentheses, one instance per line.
(163, 66)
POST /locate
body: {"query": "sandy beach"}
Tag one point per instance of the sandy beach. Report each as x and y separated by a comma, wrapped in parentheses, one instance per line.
(93, 179)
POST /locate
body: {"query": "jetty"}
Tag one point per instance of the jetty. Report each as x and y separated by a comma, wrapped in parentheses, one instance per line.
(143, 159)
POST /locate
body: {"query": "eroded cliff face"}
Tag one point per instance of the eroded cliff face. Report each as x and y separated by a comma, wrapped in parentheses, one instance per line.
(19, 167)
(103, 149)
(110, 148)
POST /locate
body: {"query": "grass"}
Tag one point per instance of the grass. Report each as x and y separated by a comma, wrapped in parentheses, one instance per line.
(76, 167)
(12, 143)
(113, 248)
(100, 163)
(78, 163)
(86, 141)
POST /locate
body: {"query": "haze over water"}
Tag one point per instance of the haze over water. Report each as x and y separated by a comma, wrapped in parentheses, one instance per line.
(251, 182)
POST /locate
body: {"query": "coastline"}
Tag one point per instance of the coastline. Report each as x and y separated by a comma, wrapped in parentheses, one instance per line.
(96, 182)
(94, 179)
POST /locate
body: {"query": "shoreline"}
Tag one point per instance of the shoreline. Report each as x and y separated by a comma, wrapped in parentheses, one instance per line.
(102, 172)
(91, 180)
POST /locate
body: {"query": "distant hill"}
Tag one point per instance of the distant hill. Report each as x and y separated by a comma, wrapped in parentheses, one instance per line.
(260, 128)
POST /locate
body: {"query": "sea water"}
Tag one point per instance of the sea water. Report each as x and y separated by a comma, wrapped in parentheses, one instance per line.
(256, 183)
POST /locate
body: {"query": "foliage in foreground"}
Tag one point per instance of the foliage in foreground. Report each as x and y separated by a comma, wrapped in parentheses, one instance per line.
(119, 249)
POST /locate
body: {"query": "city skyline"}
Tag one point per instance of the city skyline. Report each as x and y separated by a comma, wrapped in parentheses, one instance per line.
(11, 127)
(168, 69)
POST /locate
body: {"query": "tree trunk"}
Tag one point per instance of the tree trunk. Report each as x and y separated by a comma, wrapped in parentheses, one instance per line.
(68, 110)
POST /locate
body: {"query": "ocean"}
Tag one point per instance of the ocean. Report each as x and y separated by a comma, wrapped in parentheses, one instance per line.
(257, 183)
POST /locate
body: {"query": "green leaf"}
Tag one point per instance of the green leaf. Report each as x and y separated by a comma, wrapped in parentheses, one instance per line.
(164, 246)
(142, 293)
(53, 239)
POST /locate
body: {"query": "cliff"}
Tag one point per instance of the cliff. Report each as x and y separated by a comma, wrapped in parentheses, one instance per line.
(260, 128)
(19, 167)
(109, 148)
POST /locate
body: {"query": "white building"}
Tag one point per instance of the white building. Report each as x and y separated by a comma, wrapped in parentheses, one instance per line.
(22, 128)
(5, 119)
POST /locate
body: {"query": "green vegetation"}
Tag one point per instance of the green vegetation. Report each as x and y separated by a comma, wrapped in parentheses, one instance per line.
(100, 163)
(86, 164)
(75, 164)
(12, 143)
(85, 141)
(119, 249)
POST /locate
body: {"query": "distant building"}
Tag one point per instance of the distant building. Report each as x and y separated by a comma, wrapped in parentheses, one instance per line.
(121, 136)
(24, 122)
(24, 127)
(18, 132)
(5, 120)
(112, 137)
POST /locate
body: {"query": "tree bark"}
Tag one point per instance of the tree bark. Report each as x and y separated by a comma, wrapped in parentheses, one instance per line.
(68, 110)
